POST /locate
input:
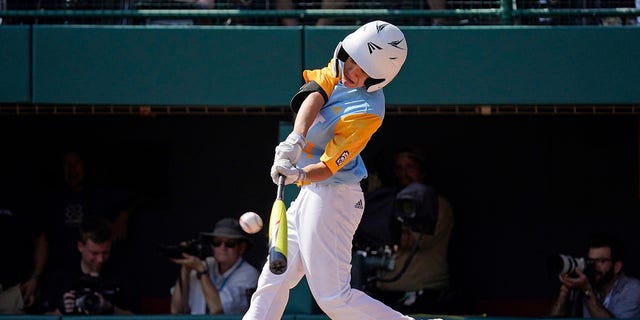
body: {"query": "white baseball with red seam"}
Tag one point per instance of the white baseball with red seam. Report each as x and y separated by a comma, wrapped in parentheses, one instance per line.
(250, 222)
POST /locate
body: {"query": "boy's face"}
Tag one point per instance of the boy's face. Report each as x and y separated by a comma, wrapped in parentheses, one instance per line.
(352, 75)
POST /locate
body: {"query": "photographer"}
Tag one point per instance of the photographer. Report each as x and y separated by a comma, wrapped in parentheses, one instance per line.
(601, 290)
(419, 281)
(91, 288)
(222, 283)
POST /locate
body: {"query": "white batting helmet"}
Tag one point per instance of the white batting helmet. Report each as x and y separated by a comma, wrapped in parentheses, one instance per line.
(379, 48)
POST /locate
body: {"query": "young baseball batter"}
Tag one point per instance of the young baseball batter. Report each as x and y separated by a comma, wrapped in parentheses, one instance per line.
(337, 111)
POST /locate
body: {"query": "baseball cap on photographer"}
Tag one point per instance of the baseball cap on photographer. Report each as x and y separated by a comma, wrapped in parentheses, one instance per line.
(227, 228)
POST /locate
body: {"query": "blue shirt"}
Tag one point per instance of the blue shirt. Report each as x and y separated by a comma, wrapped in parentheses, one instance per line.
(624, 299)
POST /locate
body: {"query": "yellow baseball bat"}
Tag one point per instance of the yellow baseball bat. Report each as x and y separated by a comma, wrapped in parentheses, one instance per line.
(278, 232)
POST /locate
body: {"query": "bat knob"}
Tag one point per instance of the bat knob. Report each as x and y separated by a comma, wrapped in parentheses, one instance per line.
(278, 267)
(277, 262)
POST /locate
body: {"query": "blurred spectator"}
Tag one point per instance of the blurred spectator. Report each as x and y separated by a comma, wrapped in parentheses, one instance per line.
(324, 4)
(68, 5)
(331, 4)
(93, 5)
(572, 19)
(175, 5)
(92, 286)
(19, 5)
(77, 199)
(24, 253)
(247, 5)
(202, 4)
(437, 5)
(419, 281)
(222, 283)
(617, 20)
(602, 289)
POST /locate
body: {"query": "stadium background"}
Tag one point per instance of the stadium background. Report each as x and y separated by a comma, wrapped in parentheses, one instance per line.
(533, 133)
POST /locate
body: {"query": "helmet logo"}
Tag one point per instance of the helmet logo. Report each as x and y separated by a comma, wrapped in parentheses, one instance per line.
(396, 44)
(372, 46)
(381, 26)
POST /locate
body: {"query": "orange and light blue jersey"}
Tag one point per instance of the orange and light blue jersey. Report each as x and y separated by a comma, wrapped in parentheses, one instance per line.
(341, 130)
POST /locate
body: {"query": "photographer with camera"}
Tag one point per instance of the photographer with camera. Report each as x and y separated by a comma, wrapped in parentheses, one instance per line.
(222, 283)
(91, 288)
(597, 287)
(419, 279)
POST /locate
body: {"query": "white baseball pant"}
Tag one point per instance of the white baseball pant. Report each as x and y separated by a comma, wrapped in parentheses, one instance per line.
(322, 221)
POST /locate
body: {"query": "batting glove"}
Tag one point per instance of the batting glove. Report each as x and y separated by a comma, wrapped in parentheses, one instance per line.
(291, 148)
(291, 173)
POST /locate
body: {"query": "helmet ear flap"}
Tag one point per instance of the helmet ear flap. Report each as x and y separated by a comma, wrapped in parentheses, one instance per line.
(342, 54)
(371, 82)
(339, 54)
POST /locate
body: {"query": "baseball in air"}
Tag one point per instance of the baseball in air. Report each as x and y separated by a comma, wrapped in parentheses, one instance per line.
(250, 222)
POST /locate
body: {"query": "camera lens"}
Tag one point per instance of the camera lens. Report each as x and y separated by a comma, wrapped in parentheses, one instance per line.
(564, 264)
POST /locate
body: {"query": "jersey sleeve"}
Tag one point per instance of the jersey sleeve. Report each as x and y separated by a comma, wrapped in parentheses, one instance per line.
(317, 80)
(352, 133)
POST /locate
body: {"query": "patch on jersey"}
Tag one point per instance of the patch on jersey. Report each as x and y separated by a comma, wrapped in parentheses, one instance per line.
(342, 157)
(336, 110)
(359, 205)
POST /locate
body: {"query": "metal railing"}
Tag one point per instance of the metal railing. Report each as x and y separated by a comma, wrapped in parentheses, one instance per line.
(457, 12)
(151, 111)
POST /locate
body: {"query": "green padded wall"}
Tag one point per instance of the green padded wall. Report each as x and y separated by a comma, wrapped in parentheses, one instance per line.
(260, 66)
(506, 65)
(15, 64)
(239, 66)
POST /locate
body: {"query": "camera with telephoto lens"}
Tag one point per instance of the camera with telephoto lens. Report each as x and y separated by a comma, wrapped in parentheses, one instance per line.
(366, 263)
(195, 247)
(88, 291)
(416, 206)
(566, 264)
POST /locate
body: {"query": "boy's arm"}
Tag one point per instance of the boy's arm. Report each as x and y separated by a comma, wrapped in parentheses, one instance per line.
(318, 80)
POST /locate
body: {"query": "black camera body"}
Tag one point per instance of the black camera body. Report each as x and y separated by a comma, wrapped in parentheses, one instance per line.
(367, 263)
(87, 301)
(194, 247)
(88, 291)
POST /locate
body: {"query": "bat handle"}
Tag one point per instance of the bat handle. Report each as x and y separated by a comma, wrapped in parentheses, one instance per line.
(280, 193)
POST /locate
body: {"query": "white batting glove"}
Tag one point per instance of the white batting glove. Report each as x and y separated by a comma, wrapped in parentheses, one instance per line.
(291, 148)
(291, 173)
